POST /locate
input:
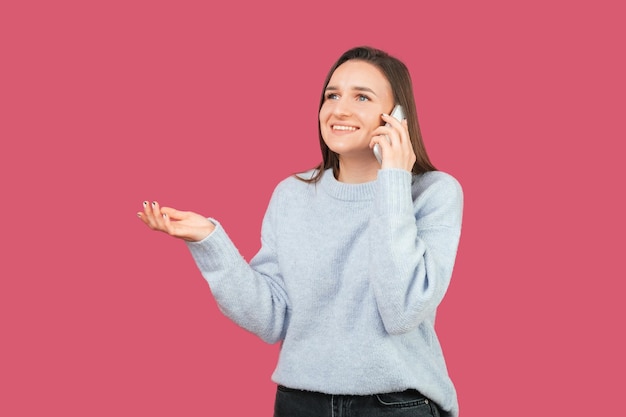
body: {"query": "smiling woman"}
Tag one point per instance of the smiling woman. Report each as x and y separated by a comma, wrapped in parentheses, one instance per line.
(356, 256)
(356, 97)
(363, 86)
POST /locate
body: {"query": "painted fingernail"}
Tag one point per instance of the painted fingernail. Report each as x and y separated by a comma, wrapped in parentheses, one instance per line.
(154, 204)
(145, 204)
(164, 216)
(139, 215)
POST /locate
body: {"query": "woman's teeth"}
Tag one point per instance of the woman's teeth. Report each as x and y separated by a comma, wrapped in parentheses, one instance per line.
(344, 127)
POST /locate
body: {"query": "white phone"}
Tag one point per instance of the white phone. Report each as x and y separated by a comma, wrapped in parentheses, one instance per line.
(398, 113)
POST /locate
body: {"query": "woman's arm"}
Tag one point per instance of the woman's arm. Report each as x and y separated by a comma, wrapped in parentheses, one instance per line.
(252, 294)
(417, 233)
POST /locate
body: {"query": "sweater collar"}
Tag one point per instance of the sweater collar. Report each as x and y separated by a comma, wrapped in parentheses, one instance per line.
(345, 191)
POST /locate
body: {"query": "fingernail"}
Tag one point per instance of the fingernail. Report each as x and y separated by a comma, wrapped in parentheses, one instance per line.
(164, 216)
(145, 204)
(154, 204)
(139, 215)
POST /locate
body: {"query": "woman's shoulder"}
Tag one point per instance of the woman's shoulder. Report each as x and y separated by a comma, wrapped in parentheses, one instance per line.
(429, 178)
(439, 182)
(295, 182)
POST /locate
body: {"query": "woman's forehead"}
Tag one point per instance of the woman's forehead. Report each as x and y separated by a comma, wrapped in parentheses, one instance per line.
(358, 74)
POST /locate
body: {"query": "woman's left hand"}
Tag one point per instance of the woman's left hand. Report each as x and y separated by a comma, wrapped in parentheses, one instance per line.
(395, 144)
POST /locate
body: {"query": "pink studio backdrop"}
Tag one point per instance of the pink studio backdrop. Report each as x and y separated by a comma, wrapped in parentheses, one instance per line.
(206, 106)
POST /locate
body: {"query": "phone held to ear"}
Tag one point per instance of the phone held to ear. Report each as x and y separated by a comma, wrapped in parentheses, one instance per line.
(398, 113)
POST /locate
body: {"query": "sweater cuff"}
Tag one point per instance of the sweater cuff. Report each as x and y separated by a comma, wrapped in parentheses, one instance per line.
(394, 191)
(214, 251)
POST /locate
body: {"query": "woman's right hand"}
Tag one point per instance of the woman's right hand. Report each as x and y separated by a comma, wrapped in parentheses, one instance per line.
(185, 225)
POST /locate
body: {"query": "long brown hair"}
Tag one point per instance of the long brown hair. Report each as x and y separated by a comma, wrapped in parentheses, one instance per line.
(402, 87)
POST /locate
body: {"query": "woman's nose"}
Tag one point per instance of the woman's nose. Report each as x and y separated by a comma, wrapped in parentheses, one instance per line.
(342, 108)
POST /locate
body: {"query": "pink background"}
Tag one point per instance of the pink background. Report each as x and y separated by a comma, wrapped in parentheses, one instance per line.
(207, 105)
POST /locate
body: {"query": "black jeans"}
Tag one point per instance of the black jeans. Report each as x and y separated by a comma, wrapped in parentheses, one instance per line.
(297, 403)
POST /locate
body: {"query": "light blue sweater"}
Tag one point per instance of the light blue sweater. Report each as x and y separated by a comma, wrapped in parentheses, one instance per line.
(348, 277)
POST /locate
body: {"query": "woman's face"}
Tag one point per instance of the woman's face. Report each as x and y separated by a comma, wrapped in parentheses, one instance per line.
(356, 95)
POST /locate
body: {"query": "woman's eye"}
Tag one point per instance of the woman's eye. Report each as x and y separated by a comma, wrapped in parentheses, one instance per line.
(331, 96)
(361, 97)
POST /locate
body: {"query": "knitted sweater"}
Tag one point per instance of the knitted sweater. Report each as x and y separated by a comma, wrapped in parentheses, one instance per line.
(348, 278)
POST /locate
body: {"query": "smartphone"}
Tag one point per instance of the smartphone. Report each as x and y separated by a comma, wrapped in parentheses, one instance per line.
(398, 113)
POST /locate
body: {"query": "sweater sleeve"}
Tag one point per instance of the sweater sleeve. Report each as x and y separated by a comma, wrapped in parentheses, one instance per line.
(417, 230)
(250, 294)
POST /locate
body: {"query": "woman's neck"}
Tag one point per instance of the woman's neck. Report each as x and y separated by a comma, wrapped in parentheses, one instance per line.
(357, 172)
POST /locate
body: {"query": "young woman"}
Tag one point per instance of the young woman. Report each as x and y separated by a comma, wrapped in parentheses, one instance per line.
(356, 255)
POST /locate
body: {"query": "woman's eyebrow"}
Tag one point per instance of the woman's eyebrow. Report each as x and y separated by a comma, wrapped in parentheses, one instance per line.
(356, 88)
